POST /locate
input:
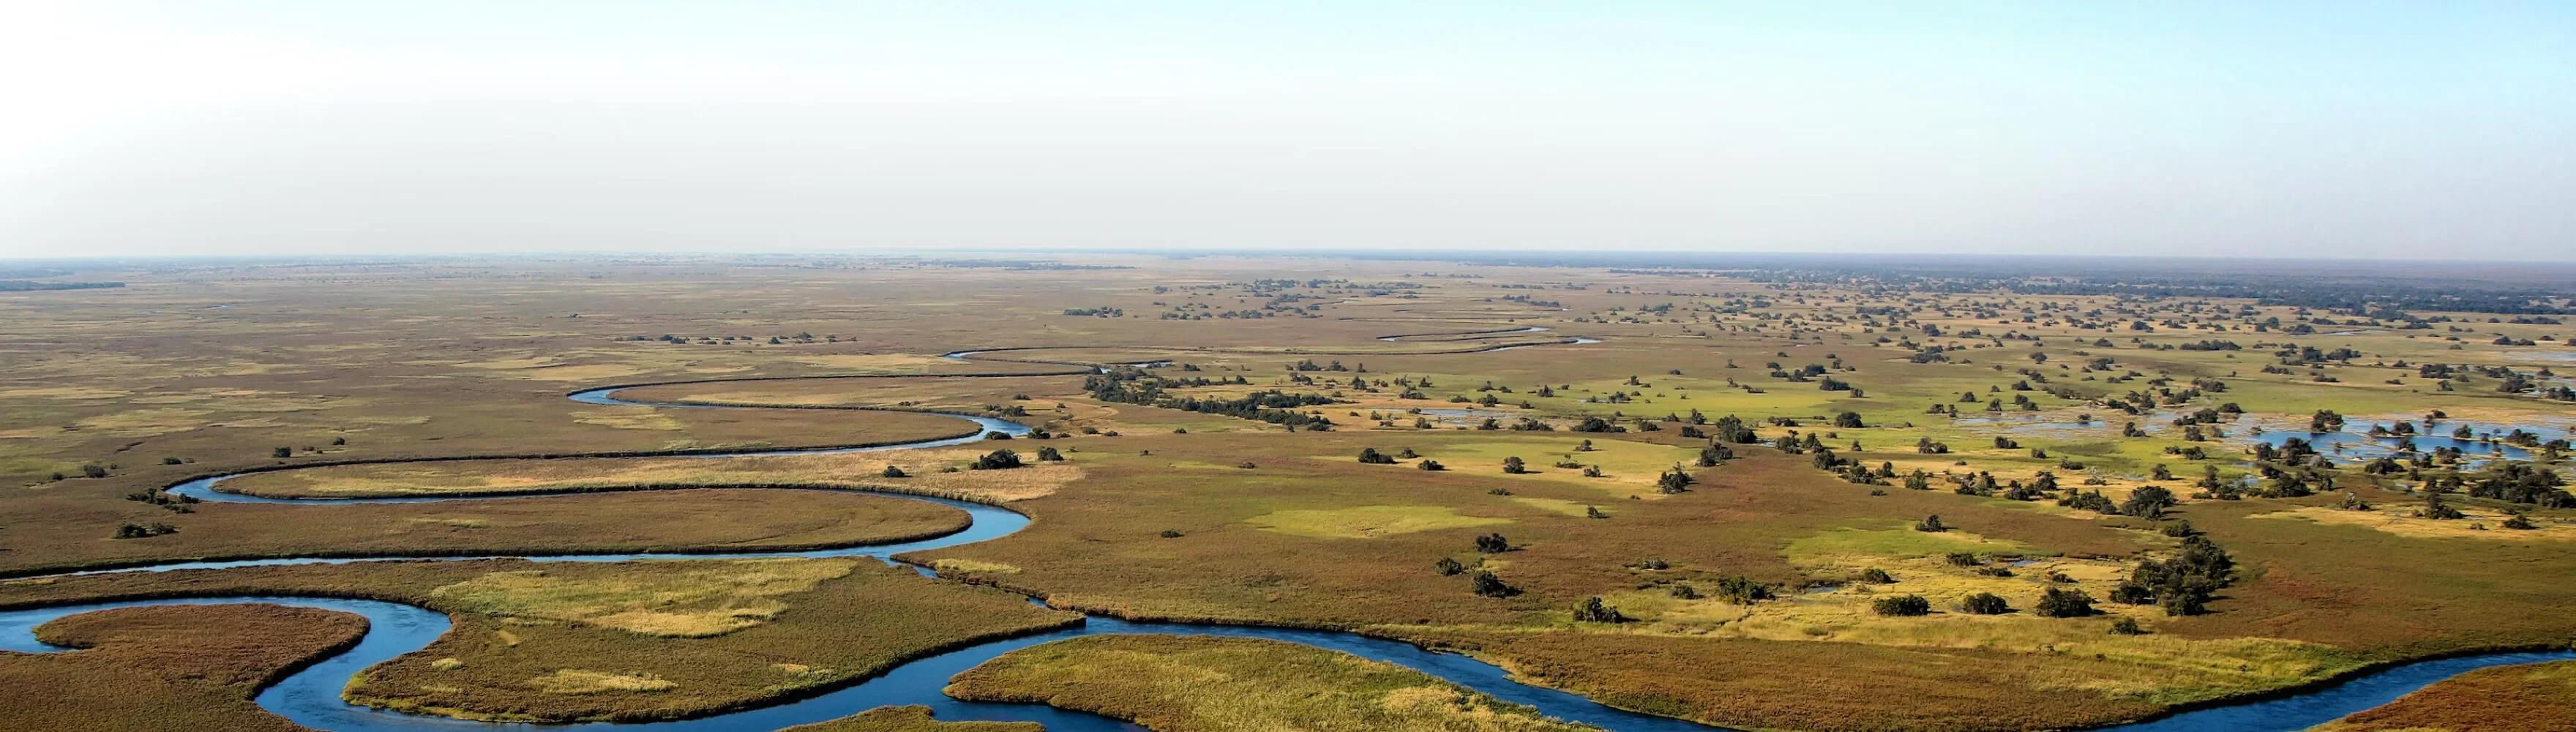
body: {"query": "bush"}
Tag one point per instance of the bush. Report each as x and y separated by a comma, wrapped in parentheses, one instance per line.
(2064, 603)
(1514, 466)
(1984, 603)
(1488, 585)
(1741, 590)
(1430, 465)
(93, 470)
(283, 452)
(1048, 454)
(1370, 456)
(1931, 524)
(1902, 606)
(1492, 544)
(1447, 566)
(894, 472)
(1592, 611)
(1170, 534)
(2125, 626)
(1876, 576)
(998, 460)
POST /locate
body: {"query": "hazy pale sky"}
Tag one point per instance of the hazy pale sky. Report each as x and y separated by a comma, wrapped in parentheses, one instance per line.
(2335, 129)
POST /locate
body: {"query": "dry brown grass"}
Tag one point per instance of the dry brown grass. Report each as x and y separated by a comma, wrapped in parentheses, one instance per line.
(932, 471)
(908, 719)
(2538, 697)
(168, 667)
(1184, 683)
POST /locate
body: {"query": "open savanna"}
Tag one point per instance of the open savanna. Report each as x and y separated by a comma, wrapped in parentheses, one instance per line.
(636, 640)
(167, 667)
(1192, 515)
(656, 521)
(933, 471)
(1185, 683)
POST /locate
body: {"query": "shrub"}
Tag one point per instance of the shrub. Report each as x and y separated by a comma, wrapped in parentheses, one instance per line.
(1514, 466)
(998, 460)
(894, 472)
(2064, 603)
(1488, 585)
(1048, 454)
(1492, 544)
(1741, 590)
(1984, 603)
(1431, 465)
(93, 470)
(1370, 456)
(1876, 576)
(282, 452)
(1447, 566)
(1902, 606)
(1931, 524)
(2125, 626)
(1592, 611)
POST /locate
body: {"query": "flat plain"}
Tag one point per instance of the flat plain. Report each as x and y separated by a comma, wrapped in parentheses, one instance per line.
(1692, 492)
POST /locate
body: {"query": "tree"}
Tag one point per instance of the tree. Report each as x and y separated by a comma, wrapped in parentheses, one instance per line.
(1848, 420)
(2126, 626)
(1931, 524)
(1431, 465)
(1592, 611)
(282, 453)
(1492, 544)
(1594, 512)
(1048, 454)
(93, 470)
(1370, 456)
(1902, 606)
(2147, 502)
(1984, 603)
(1742, 590)
(1447, 566)
(1673, 481)
(998, 460)
(1488, 585)
(1514, 466)
(2064, 603)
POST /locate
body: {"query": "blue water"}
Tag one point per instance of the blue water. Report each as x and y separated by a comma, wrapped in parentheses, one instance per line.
(311, 696)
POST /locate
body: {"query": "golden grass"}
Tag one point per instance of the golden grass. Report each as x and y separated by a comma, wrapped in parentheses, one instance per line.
(2481, 524)
(1362, 522)
(692, 599)
(1246, 684)
(583, 681)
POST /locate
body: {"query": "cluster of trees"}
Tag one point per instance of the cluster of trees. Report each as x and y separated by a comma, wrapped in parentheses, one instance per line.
(1131, 386)
(2182, 585)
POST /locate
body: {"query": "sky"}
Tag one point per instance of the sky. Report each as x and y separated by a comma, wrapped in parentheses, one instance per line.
(2279, 129)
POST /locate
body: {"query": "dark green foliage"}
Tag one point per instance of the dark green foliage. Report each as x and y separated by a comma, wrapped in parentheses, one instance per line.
(2126, 626)
(1492, 544)
(1488, 585)
(1984, 603)
(1741, 590)
(1514, 466)
(894, 472)
(1048, 454)
(1447, 566)
(283, 452)
(1931, 524)
(1902, 606)
(2147, 502)
(1876, 576)
(1370, 456)
(1592, 611)
(2063, 603)
(998, 460)
(1430, 465)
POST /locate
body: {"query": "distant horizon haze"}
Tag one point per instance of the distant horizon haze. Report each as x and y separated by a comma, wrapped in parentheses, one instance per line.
(2338, 132)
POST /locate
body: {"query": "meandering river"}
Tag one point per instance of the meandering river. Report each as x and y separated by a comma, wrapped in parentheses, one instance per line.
(311, 696)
